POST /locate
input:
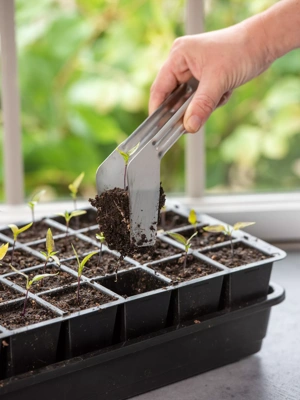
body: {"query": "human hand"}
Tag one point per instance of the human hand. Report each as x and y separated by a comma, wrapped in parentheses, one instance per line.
(220, 60)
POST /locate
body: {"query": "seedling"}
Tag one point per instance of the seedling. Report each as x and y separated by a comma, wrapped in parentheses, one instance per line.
(16, 231)
(186, 242)
(50, 251)
(29, 283)
(3, 251)
(74, 186)
(126, 156)
(100, 236)
(193, 219)
(68, 217)
(81, 265)
(227, 230)
(33, 202)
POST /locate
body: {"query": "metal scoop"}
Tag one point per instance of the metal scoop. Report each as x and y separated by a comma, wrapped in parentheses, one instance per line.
(156, 135)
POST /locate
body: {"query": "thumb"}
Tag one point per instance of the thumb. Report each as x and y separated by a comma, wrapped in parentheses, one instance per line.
(204, 102)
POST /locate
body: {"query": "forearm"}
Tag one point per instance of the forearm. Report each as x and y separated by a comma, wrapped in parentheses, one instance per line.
(279, 27)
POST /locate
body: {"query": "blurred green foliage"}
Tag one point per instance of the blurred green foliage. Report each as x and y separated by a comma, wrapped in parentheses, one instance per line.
(86, 68)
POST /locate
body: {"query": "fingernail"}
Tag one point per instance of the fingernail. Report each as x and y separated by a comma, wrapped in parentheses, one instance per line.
(194, 123)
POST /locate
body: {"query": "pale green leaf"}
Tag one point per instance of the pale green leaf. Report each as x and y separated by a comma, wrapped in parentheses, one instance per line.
(44, 254)
(240, 225)
(86, 258)
(18, 272)
(3, 250)
(178, 237)
(74, 186)
(192, 217)
(37, 197)
(124, 155)
(100, 236)
(49, 241)
(55, 259)
(76, 213)
(75, 252)
(190, 239)
(40, 277)
(215, 228)
(15, 230)
(31, 204)
(24, 228)
(133, 150)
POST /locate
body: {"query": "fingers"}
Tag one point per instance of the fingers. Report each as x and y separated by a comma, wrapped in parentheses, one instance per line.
(174, 72)
(205, 100)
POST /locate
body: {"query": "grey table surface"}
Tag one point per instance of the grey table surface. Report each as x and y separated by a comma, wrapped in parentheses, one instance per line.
(271, 374)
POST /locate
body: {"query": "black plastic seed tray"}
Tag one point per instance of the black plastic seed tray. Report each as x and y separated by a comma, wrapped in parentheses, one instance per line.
(137, 366)
(118, 329)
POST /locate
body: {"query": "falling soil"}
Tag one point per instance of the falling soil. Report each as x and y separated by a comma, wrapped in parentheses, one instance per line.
(51, 282)
(7, 293)
(64, 246)
(132, 283)
(37, 231)
(21, 260)
(173, 269)
(11, 318)
(203, 238)
(107, 264)
(66, 299)
(171, 220)
(113, 218)
(242, 255)
(160, 250)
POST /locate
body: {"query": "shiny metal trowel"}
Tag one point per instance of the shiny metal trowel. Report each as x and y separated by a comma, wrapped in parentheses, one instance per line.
(156, 135)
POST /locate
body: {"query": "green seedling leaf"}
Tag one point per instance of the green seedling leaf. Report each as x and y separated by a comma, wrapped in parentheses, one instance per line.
(133, 150)
(240, 225)
(215, 228)
(192, 217)
(74, 186)
(100, 236)
(3, 250)
(16, 231)
(124, 155)
(37, 278)
(49, 241)
(76, 255)
(181, 239)
(18, 272)
(190, 239)
(55, 258)
(36, 198)
(85, 260)
(76, 213)
(128, 154)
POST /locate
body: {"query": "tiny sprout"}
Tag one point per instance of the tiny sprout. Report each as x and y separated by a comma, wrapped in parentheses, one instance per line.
(50, 250)
(16, 231)
(126, 156)
(68, 217)
(186, 242)
(74, 186)
(100, 236)
(193, 218)
(29, 283)
(3, 250)
(33, 202)
(81, 265)
(227, 230)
